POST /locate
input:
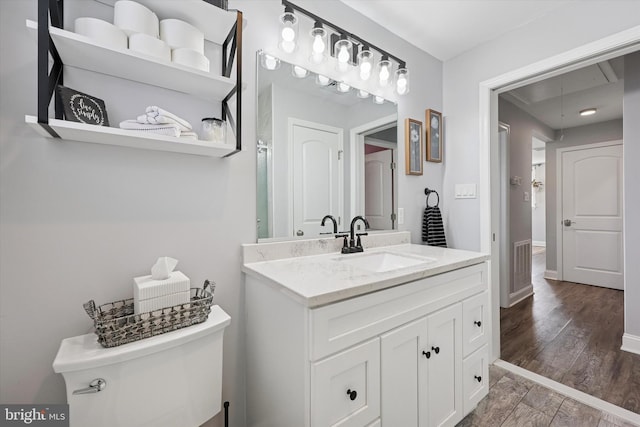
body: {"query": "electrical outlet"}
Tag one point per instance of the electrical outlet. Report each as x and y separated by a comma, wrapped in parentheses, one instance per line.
(526, 196)
(400, 216)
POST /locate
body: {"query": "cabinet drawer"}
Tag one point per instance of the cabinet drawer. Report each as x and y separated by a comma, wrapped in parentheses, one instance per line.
(474, 322)
(343, 324)
(475, 379)
(345, 388)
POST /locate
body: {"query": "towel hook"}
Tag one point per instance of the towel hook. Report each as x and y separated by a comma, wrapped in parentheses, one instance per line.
(428, 192)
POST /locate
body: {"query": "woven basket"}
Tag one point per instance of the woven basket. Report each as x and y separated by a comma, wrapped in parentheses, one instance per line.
(116, 324)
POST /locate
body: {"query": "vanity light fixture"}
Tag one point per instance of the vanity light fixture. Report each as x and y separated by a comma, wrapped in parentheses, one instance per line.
(288, 30)
(378, 99)
(343, 50)
(384, 71)
(269, 62)
(299, 72)
(318, 43)
(344, 47)
(588, 112)
(402, 80)
(363, 94)
(365, 63)
(343, 87)
(322, 80)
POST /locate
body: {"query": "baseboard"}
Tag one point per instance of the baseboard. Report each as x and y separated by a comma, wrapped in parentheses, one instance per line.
(551, 274)
(537, 243)
(631, 343)
(567, 391)
(522, 294)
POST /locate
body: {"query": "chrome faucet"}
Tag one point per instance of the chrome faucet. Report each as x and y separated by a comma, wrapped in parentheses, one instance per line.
(335, 223)
(354, 245)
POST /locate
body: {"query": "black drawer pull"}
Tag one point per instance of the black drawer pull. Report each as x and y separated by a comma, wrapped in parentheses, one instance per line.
(478, 378)
(427, 354)
(436, 349)
(477, 323)
(352, 394)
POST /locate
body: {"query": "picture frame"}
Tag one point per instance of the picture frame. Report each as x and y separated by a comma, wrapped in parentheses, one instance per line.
(413, 147)
(83, 108)
(433, 123)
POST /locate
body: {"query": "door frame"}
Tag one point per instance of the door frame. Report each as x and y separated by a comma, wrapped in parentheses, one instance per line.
(609, 47)
(559, 182)
(356, 156)
(292, 121)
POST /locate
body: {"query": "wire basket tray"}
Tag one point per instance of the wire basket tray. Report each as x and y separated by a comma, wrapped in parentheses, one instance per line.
(116, 323)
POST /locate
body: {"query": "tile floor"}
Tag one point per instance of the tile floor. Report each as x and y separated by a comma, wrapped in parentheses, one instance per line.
(514, 401)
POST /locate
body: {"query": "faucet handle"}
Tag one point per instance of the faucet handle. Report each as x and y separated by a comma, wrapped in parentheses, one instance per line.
(345, 244)
(359, 242)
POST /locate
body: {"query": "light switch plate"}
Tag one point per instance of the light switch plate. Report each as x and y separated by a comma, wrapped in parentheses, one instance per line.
(527, 197)
(400, 216)
(465, 191)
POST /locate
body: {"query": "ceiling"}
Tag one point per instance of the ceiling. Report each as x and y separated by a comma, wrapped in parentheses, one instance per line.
(447, 28)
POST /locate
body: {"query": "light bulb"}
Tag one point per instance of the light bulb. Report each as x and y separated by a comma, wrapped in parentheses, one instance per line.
(318, 44)
(402, 85)
(270, 62)
(343, 55)
(343, 87)
(288, 46)
(378, 100)
(299, 72)
(402, 79)
(322, 80)
(384, 75)
(365, 67)
(363, 94)
(288, 34)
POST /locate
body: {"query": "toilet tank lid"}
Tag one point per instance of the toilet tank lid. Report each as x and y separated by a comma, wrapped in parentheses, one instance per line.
(84, 352)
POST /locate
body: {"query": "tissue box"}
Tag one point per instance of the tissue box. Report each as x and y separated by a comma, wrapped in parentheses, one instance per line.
(150, 294)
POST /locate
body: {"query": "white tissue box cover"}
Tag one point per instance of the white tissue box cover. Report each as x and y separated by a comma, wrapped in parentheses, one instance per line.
(150, 294)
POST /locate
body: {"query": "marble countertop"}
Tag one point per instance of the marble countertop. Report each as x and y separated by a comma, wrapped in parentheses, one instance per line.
(323, 279)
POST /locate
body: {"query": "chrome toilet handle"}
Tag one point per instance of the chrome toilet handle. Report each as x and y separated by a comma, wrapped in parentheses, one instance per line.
(95, 386)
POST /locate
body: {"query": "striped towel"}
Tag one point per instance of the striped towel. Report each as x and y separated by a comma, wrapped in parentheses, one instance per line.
(433, 228)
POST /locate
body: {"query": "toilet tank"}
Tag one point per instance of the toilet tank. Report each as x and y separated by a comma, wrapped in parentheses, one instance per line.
(170, 380)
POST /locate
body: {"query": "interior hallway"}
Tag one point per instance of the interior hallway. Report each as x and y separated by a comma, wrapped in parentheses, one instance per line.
(572, 333)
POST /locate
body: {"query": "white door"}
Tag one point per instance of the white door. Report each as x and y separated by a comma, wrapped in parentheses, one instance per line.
(592, 216)
(317, 175)
(378, 185)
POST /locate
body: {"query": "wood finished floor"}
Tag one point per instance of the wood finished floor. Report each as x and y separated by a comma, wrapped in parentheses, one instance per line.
(572, 333)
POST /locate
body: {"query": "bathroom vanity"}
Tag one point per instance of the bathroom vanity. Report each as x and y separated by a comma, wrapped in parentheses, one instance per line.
(394, 336)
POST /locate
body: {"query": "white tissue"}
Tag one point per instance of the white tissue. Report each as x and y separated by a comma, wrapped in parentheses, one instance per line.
(163, 267)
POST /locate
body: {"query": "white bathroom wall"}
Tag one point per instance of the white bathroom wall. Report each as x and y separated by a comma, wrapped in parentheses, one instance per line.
(573, 24)
(78, 221)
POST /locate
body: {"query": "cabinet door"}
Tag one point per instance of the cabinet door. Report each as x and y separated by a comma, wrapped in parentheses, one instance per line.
(475, 378)
(403, 375)
(474, 316)
(444, 383)
(345, 388)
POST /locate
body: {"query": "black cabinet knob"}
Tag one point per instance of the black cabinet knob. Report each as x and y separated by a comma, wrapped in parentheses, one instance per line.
(436, 349)
(352, 394)
(427, 354)
(477, 323)
(478, 378)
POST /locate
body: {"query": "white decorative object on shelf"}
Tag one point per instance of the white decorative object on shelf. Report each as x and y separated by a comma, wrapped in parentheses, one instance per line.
(101, 32)
(190, 58)
(180, 34)
(132, 18)
(148, 45)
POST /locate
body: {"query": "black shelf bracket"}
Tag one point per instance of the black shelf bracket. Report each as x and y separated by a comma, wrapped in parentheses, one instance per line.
(229, 53)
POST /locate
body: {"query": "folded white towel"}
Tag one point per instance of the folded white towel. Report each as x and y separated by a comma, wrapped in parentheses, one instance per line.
(189, 135)
(156, 115)
(166, 129)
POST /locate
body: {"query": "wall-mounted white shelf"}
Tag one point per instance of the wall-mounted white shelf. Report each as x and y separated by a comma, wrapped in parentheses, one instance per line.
(82, 132)
(82, 52)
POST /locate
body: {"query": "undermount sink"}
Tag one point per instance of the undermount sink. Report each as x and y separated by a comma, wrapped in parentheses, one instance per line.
(379, 262)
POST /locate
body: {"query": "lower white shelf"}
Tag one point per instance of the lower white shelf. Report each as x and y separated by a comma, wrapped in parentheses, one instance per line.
(82, 132)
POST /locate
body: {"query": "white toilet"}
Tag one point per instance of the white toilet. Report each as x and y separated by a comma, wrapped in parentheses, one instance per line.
(170, 380)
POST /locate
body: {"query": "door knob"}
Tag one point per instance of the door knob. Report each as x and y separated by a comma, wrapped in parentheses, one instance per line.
(95, 386)
(299, 233)
(567, 222)
(352, 394)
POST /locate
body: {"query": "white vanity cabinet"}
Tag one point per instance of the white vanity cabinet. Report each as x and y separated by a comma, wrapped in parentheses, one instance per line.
(397, 357)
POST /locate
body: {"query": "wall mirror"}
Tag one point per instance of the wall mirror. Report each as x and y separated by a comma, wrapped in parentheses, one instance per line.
(321, 151)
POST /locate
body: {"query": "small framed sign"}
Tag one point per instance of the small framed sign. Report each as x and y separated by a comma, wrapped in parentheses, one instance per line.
(434, 136)
(80, 107)
(413, 147)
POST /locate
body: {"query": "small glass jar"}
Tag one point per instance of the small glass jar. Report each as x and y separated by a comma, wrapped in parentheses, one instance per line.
(213, 129)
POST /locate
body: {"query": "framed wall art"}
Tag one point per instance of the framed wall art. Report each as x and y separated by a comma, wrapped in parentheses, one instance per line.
(413, 147)
(433, 123)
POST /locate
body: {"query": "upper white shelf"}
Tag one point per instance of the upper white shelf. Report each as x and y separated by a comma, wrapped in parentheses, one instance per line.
(82, 52)
(214, 22)
(82, 132)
